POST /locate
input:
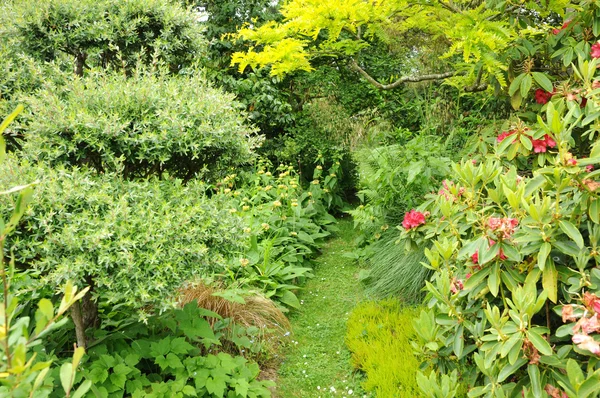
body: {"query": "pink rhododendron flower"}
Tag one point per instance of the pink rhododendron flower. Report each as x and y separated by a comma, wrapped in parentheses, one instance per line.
(595, 50)
(475, 257)
(446, 192)
(505, 225)
(587, 325)
(591, 301)
(540, 146)
(456, 285)
(567, 314)
(413, 219)
(586, 342)
(563, 27)
(549, 141)
(542, 96)
(589, 168)
(504, 134)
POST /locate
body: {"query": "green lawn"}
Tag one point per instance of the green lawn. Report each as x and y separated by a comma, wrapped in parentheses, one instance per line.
(317, 363)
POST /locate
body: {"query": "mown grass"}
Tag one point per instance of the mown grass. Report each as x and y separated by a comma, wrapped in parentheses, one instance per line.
(316, 359)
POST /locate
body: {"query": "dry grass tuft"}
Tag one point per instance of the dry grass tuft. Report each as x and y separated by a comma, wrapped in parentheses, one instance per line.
(258, 311)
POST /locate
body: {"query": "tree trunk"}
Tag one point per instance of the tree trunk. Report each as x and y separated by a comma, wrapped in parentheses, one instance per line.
(79, 63)
(77, 317)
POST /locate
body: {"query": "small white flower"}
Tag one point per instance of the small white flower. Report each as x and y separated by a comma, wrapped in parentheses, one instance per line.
(318, 387)
(350, 392)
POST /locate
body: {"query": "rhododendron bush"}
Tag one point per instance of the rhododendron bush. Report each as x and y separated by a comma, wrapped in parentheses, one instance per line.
(514, 241)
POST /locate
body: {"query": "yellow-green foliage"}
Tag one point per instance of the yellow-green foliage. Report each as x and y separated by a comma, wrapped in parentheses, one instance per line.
(379, 335)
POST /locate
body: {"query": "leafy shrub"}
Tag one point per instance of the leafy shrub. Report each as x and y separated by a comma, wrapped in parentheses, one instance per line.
(379, 335)
(394, 178)
(515, 256)
(133, 242)
(169, 358)
(285, 224)
(148, 125)
(21, 373)
(317, 139)
(108, 33)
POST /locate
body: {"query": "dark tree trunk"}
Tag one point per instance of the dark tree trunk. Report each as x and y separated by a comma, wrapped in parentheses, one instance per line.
(80, 63)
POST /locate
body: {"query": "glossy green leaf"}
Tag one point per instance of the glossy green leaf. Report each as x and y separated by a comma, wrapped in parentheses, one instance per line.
(543, 81)
(539, 342)
(572, 232)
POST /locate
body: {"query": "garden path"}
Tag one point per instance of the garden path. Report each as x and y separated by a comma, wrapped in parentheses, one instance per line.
(316, 361)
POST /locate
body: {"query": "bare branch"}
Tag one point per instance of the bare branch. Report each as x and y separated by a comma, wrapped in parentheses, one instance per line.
(402, 80)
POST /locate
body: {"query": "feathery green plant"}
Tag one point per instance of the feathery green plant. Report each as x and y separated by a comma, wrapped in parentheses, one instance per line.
(379, 335)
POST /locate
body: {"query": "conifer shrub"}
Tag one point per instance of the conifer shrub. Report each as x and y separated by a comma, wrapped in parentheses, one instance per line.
(138, 127)
(379, 335)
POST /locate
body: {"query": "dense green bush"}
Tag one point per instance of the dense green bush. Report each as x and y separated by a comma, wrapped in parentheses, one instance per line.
(22, 372)
(394, 178)
(379, 335)
(133, 242)
(112, 34)
(137, 127)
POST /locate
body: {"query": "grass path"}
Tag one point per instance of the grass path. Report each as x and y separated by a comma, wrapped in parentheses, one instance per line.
(317, 363)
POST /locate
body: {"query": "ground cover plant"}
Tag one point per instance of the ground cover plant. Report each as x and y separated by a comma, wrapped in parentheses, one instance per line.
(379, 335)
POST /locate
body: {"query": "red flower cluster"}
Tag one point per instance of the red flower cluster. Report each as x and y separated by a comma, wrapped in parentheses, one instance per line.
(563, 27)
(413, 219)
(475, 256)
(504, 134)
(504, 225)
(542, 96)
(542, 145)
(596, 50)
(456, 285)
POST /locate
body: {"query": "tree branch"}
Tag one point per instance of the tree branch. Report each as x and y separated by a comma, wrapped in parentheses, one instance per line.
(400, 81)
(449, 6)
(477, 86)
